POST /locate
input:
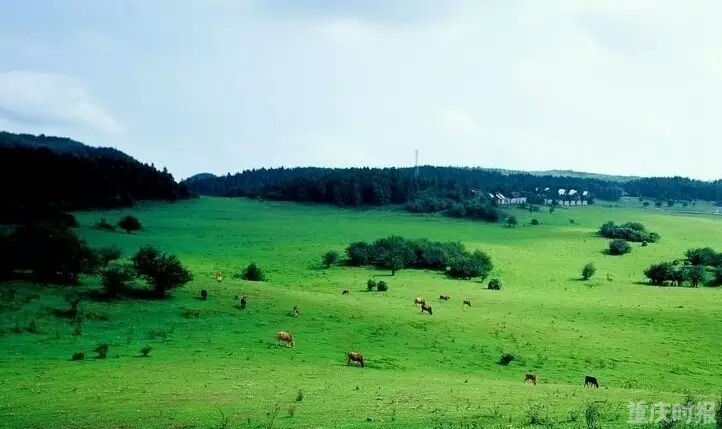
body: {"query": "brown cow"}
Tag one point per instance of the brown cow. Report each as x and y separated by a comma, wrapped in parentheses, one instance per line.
(419, 300)
(356, 357)
(285, 337)
(345, 292)
(219, 275)
(530, 377)
(426, 308)
(466, 302)
(444, 297)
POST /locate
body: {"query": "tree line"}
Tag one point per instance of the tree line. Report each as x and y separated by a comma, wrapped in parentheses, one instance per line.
(436, 188)
(37, 182)
(700, 266)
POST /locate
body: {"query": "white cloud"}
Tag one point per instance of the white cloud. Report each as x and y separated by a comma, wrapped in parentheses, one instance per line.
(52, 99)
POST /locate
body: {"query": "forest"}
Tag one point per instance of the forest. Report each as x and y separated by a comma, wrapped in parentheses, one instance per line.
(36, 180)
(436, 189)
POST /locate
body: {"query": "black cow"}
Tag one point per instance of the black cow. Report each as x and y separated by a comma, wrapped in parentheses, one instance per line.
(590, 381)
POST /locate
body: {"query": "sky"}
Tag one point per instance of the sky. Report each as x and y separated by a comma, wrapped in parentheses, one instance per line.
(607, 86)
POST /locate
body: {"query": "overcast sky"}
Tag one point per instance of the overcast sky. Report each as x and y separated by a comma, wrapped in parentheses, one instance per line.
(612, 86)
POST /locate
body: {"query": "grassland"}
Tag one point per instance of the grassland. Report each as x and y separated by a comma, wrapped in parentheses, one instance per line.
(641, 342)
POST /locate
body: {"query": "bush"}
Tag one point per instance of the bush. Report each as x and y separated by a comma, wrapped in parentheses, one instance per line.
(382, 286)
(476, 265)
(494, 284)
(78, 356)
(645, 244)
(104, 225)
(129, 224)
(630, 231)
(506, 359)
(163, 272)
(619, 247)
(705, 256)
(101, 350)
(330, 258)
(115, 281)
(535, 221)
(588, 271)
(145, 350)
(253, 273)
(106, 255)
(511, 221)
(370, 285)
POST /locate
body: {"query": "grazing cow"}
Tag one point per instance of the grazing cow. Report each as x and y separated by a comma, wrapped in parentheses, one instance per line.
(204, 294)
(243, 302)
(444, 297)
(530, 377)
(296, 310)
(466, 302)
(426, 308)
(285, 337)
(345, 292)
(419, 300)
(219, 275)
(356, 357)
(591, 381)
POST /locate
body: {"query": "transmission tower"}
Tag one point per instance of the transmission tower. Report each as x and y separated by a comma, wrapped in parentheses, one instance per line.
(416, 164)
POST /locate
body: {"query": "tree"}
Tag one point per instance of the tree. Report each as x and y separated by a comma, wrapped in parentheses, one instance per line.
(115, 281)
(658, 204)
(535, 221)
(129, 223)
(696, 274)
(645, 204)
(511, 221)
(395, 263)
(163, 272)
(659, 274)
(106, 255)
(478, 264)
(588, 271)
(619, 247)
(330, 258)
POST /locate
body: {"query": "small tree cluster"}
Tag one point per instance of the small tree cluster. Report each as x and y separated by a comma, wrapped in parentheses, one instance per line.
(630, 231)
(162, 272)
(702, 264)
(619, 246)
(395, 253)
(588, 271)
(455, 205)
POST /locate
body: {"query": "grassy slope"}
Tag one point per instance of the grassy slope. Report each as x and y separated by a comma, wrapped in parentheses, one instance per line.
(643, 343)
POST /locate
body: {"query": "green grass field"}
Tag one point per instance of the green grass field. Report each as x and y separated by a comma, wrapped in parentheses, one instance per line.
(641, 342)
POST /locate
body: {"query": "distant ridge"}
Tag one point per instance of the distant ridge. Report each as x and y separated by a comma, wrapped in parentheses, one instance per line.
(61, 145)
(199, 176)
(572, 173)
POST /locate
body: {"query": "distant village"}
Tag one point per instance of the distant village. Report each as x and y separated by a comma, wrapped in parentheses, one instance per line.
(564, 197)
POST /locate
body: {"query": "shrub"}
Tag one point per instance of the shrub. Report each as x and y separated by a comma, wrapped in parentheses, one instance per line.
(253, 273)
(506, 359)
(330, 258)
(104, 225)
(645, 244)
(478, 264)
(145, 350)
(115, 281)
(370, 285)
(630, 231)
(535, 221)
(163, 272)
(382, 286)
(494, 284)
(588, 271)
(661, 273)
(619, 247)
(705, 256)
(129, 224)
(101, 350)
(78, 356)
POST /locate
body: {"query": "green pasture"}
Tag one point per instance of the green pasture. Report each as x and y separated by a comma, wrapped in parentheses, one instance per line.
(223, 369)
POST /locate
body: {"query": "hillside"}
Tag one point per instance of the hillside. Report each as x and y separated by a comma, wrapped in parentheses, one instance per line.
(214, 365)
(40, 175)
(60, 145)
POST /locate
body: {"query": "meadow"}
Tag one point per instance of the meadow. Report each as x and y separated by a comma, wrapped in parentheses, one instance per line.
(223, 368)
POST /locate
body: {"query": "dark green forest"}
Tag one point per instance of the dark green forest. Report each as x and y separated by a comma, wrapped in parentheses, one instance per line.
(455, 191)
(43, 176)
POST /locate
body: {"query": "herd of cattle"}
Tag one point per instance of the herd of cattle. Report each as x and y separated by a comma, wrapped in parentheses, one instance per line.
(283, 337)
